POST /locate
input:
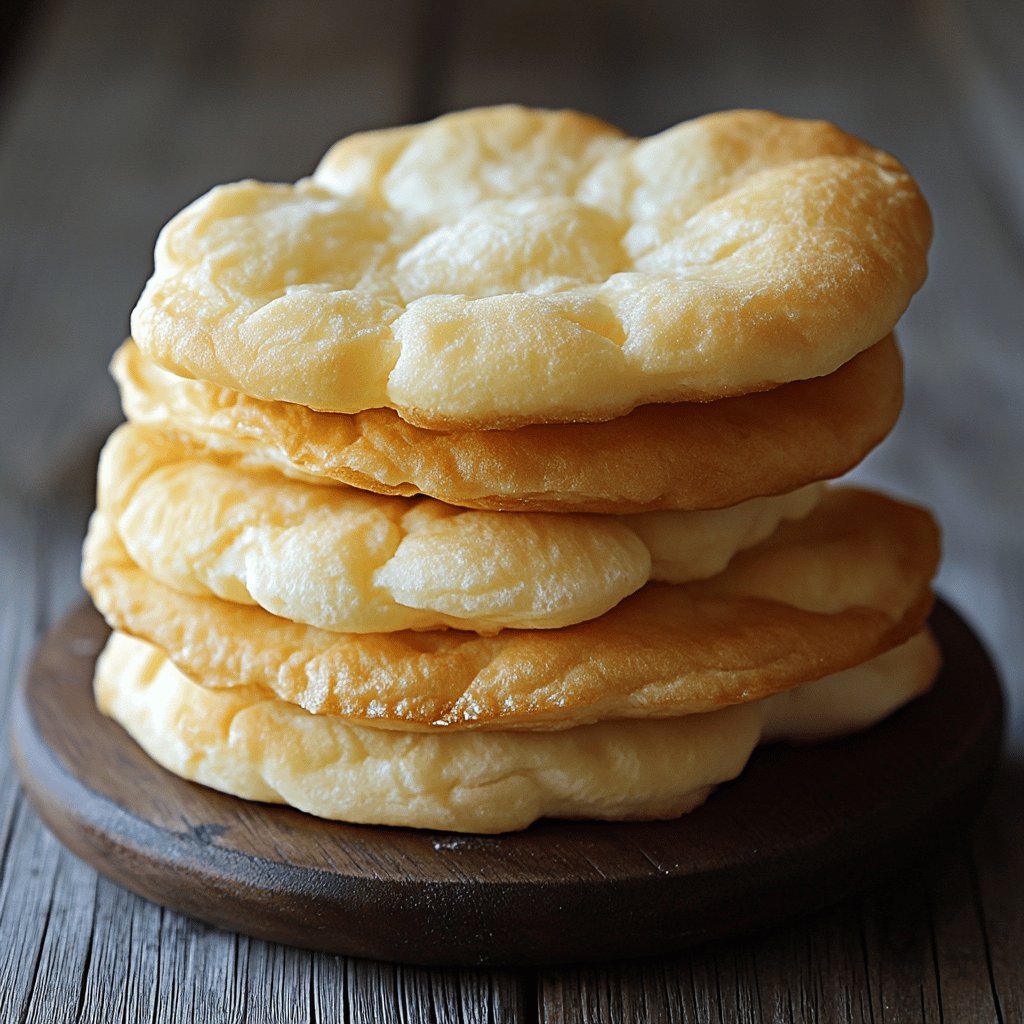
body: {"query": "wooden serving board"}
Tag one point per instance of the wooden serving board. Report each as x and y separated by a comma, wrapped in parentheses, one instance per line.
(802, 827)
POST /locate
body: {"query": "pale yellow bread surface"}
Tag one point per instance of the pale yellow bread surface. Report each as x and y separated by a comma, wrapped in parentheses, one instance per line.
(506, 266)
(246, 742)
(674, 456)
(350, 561)
(846, 583)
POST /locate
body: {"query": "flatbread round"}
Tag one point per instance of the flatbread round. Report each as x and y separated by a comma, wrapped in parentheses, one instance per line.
(246, 742)
(846, 583)
(676, 456)
(506, 266)
(350, 561)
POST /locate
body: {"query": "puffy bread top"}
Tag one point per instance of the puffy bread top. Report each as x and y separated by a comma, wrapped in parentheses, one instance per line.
(350, 561)
(846, 583)
(505, 266)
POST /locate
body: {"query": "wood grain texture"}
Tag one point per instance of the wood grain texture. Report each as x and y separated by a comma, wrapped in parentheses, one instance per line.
(116, 113)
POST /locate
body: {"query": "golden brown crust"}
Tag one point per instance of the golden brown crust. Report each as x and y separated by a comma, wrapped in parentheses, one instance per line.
(247, 742)
(832, 591)
(508, 266)
(679, 456)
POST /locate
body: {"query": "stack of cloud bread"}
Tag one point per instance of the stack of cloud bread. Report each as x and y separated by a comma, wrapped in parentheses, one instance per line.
(480, 477)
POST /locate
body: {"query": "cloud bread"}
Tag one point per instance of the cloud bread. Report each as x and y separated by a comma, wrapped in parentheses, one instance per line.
(350, 561)
(846, 583)
(247, 742)
(674, 456)
(506, 266)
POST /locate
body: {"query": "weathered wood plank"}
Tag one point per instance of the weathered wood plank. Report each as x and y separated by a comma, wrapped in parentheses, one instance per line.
(47, 896)
(118, 979)
(21, 910)
(388, 992)
(27, 900)
(996, 865)
(58, 992)
(274, 982)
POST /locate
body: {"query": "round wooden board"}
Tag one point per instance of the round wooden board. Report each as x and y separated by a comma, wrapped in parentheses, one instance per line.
(800, 828)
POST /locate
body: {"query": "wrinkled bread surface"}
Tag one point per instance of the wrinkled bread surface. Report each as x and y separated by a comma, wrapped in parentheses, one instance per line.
(506, 266)
(675, 456)
(846, 583)
(249, 743)
(354, 562)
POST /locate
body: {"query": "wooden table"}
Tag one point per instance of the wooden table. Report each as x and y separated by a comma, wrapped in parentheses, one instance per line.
(114, 114)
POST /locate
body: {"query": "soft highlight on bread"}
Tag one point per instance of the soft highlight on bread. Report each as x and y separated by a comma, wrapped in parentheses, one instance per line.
(349, 561)
(507, 266)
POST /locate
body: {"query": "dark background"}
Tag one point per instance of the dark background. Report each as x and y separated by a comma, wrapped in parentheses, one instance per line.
(115, 113)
